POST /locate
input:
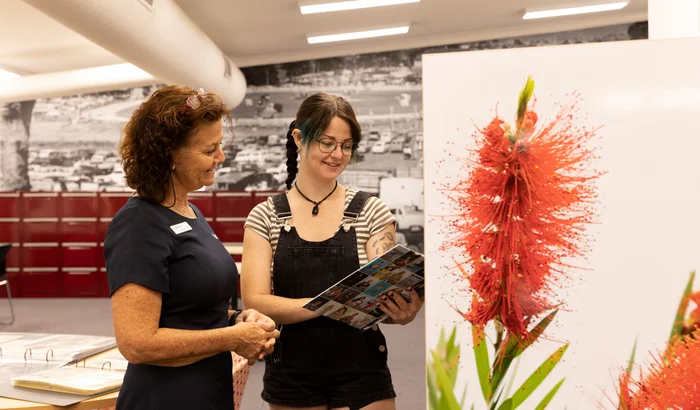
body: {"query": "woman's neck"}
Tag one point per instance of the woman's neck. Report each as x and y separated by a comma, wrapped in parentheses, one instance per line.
(178, 201)
(314, 188)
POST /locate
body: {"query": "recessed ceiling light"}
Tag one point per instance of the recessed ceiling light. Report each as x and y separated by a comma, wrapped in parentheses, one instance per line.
(569, 11)
(349, 5)
(358, 35)
(7, 75)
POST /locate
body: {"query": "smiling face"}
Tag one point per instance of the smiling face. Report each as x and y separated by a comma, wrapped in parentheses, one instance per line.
(196, 161)
(326, 165)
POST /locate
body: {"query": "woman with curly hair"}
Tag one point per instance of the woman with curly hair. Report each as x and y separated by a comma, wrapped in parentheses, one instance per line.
(170, 278)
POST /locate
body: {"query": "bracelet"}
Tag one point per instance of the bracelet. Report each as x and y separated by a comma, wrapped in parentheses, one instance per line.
(234, 317)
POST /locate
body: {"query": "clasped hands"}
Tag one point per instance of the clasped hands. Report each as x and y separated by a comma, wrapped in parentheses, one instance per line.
(260, 335)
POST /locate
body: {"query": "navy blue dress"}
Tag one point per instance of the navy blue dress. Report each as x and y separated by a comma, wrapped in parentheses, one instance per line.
(151, 245)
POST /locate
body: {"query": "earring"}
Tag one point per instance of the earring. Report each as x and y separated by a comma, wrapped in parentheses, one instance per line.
(173, 169)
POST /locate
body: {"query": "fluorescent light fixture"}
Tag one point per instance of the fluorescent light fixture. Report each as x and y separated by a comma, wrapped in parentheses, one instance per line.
(570, 11)
(358, 35)
(349, 5)
(7, 75)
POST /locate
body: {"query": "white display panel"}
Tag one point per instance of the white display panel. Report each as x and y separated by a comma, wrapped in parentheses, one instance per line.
(646, 97)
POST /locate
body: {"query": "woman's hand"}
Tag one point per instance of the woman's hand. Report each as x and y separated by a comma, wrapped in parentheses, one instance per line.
(254, 340)
(253, 316)
(400, 311)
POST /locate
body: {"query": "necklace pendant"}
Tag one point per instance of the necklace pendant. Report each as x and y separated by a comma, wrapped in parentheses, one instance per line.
(314, 211)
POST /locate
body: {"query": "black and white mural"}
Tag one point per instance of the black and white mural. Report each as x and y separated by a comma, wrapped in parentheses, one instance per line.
(70, 143)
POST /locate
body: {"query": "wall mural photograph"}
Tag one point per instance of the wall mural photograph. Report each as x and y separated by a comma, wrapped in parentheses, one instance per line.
(69, 143)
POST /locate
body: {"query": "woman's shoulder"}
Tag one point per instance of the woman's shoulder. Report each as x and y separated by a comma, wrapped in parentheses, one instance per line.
(263, 210)
(137, 211)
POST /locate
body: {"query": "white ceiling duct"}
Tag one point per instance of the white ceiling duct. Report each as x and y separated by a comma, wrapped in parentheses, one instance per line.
(65, 83)
(156, 36)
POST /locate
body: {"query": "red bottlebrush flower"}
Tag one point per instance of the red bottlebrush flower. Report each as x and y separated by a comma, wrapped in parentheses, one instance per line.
(672, 380)
(522, 210)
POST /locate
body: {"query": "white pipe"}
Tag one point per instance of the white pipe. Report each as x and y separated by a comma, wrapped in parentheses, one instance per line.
(159, 38)
(65, 83)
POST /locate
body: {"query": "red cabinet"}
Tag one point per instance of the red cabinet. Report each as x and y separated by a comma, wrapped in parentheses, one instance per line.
(40, 205)
(39, 282)
(40, 230)
(79, 230)
(80, 255)
(233, 204)
(80, 282)
(10, 229)
(79, 204)
(9, 205)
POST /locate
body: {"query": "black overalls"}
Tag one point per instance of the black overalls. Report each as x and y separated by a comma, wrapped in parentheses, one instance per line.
(322, 361)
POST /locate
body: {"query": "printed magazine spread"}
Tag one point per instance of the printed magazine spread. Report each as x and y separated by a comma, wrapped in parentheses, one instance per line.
(353, 300)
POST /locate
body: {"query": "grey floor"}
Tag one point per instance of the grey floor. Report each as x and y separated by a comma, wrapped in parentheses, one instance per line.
(93, 316)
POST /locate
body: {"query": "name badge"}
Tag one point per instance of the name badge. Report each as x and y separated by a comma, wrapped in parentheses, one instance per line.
(181, 227)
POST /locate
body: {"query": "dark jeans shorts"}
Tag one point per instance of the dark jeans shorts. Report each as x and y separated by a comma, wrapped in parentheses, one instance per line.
(314, 367)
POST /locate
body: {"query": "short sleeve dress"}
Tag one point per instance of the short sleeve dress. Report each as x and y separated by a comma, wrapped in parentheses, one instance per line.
(152, 246)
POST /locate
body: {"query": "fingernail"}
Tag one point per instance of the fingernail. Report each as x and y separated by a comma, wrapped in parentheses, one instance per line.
(383, 297)
(410, 288)
(377, 305)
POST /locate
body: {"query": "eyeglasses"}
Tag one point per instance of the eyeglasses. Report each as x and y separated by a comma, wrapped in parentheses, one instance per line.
(194, 101)
(328, 145)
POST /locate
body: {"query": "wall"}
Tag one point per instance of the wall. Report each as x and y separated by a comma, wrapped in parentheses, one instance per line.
(69, 144)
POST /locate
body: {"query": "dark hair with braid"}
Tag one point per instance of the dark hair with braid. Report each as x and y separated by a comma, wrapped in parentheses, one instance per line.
(313, 117)
(292, 167)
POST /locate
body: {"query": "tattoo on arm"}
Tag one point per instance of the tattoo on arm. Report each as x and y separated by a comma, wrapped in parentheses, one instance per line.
(387, 241)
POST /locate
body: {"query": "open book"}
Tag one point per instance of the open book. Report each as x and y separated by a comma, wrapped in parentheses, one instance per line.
(353, 300)
(72, 380)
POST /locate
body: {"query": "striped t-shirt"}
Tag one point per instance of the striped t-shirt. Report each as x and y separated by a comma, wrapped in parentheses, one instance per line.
(374, 217)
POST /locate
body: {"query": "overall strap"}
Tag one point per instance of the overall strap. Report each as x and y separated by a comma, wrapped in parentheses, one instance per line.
(281, 204)
(355, 207)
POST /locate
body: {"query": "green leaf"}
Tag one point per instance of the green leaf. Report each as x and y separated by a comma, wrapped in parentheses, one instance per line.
(452, 356)
(682, 307)
(537, 377)
(625, 380)
(524, 98)
(543, 404)
(515, 347)
(464, 397)
(481, 354)
(634, 351)
(432, 389)
(507, 405)
(448, 401)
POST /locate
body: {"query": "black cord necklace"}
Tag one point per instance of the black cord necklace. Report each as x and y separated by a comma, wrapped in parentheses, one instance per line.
(314, 211)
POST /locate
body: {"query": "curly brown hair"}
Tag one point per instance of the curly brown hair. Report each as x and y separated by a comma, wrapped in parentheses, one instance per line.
(158, 127)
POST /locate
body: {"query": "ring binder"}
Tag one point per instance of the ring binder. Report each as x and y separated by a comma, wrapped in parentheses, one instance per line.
(30, 354)
(47, 354)
(110, 365)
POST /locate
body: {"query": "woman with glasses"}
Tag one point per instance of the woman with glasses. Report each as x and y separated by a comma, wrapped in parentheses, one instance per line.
(170, 278)
(306, 239)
